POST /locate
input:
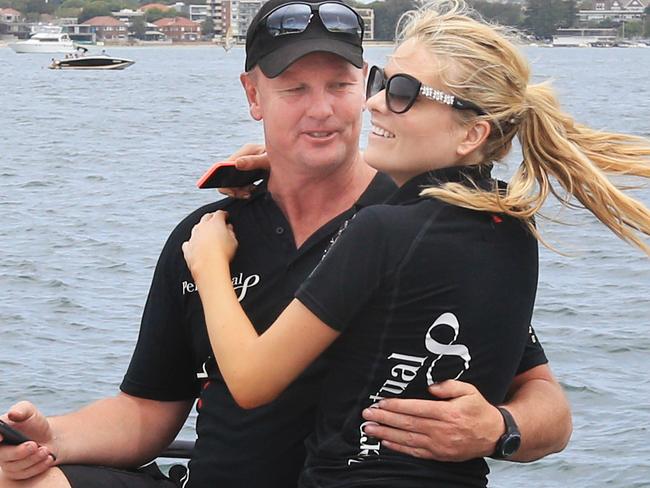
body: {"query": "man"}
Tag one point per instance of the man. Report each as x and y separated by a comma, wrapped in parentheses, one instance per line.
(306, 85)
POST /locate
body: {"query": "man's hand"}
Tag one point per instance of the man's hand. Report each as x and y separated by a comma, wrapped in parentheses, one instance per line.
(31, 458)
(463, 427)
(250, 157)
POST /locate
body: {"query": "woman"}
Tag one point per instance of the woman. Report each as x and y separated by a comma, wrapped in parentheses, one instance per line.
(439, 283)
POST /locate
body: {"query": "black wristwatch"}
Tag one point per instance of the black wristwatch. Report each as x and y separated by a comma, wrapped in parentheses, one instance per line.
(508, 443)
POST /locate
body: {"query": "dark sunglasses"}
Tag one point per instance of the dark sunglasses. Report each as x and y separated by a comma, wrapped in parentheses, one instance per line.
(294, 18)
(402, 90)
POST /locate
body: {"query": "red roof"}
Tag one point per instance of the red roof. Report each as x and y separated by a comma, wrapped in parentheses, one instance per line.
(159, 6)
(103, 20)
(10, 11)
(182, 21)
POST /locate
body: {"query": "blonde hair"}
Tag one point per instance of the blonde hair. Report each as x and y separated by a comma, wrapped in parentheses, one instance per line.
(486, 68)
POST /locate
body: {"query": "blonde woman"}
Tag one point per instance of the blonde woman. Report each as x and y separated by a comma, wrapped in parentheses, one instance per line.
(439, 283)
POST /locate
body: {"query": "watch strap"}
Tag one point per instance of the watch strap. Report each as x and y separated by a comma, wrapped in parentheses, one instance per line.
(511, 425)
(511, 434)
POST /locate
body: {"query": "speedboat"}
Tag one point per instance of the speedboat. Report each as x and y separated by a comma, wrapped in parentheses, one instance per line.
(49, 39)
(99, 61)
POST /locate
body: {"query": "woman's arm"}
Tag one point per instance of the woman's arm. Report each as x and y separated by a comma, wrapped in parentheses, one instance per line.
(256, 368)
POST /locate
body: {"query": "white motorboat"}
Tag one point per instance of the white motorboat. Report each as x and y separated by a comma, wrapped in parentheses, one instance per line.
(99, 61)
(47, 39)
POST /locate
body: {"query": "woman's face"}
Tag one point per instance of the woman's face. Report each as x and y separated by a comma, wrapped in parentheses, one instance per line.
(425, 137)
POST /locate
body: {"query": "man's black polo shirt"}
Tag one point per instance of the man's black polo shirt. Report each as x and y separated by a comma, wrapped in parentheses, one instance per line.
(423, 291)
(260, 448)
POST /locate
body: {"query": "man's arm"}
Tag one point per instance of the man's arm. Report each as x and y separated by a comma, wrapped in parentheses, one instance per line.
(538, 403)
(465, 426)
(121, 431)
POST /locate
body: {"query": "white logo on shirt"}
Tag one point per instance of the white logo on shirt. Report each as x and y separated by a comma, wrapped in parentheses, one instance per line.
(451, 349)
(531, 333)
(406, 370)
(240, 283)
(189, 287)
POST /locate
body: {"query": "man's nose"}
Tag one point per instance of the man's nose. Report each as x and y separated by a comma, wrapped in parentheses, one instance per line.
(320, 105)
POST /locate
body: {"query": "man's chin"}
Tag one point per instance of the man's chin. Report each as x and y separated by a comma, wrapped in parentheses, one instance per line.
(330, 156)
(322, 167)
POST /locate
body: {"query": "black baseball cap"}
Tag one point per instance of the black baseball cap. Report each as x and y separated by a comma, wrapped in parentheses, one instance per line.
(274, 54)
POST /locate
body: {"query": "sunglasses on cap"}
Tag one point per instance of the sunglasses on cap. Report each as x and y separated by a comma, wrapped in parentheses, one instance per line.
(294, 18)
(402, 90)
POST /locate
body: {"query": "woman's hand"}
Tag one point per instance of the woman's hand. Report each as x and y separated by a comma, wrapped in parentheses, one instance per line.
(247, 158)
(212, 245)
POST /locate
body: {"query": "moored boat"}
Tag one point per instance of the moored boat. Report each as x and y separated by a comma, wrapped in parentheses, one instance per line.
(49, 39)
(101, 61)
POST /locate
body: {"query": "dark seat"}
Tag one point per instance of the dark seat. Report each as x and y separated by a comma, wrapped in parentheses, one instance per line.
(178, 449)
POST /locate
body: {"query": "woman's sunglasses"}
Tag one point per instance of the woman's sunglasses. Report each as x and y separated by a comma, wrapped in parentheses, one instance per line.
(294, 18)
(402, 90)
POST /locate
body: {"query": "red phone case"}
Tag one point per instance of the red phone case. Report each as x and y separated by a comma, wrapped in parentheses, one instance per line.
(224, 174)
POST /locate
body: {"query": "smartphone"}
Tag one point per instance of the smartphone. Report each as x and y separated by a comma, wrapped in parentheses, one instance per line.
(225, 174)
(11, 436)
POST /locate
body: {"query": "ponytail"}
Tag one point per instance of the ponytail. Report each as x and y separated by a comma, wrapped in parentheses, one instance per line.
(580, 160)
(560, 156)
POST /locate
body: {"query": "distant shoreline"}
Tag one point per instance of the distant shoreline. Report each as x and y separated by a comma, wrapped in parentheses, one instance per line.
(212, 44)
(109, 44)
(4, 43)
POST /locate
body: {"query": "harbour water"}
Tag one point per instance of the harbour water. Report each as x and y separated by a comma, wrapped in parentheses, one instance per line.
(97, 167)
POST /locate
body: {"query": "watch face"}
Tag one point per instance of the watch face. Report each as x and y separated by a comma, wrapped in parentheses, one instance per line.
(510, 445)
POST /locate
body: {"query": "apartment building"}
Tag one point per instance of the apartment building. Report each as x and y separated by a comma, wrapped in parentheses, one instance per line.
(368, 16)
(235, 16)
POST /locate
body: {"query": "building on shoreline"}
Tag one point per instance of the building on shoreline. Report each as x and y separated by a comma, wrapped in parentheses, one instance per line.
(81, 33)
(11, 23)
(198, 13)
(368, 16)
(615, 10)
(584, 37)
(234, 17)
(179, 29)
(10, 15)
(106, 28)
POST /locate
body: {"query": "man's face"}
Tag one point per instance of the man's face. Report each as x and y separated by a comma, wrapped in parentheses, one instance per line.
(311, 113)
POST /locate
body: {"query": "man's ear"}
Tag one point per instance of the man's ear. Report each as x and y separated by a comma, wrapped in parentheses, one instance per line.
(475, 136)
(249, 82)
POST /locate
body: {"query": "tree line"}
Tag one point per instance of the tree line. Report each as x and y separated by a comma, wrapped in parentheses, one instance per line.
(83, 10)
